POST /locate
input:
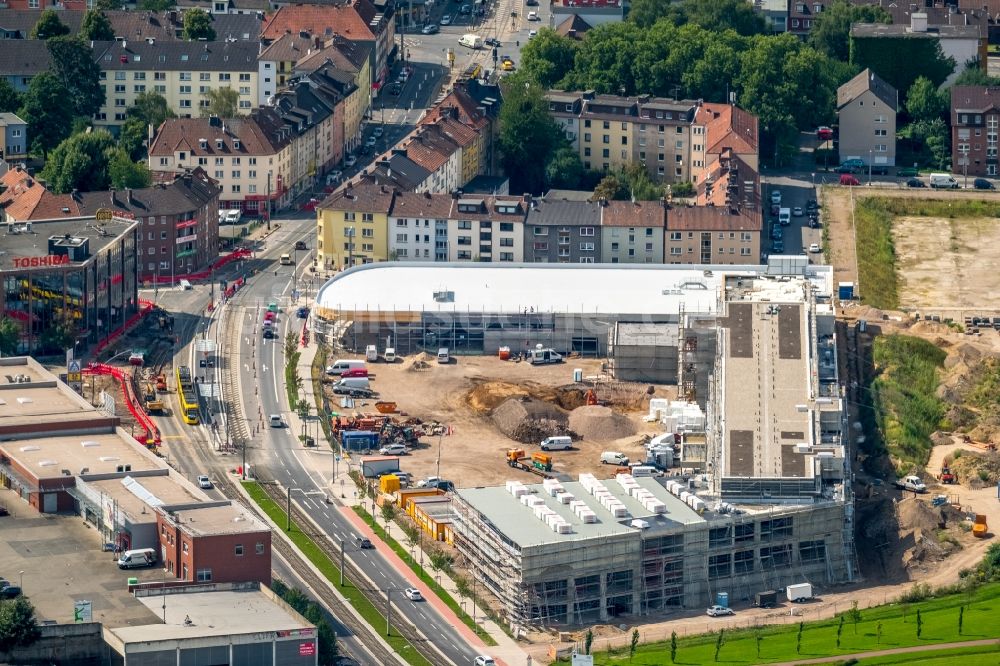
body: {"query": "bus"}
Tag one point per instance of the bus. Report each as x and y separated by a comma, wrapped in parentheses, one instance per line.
(187, 395)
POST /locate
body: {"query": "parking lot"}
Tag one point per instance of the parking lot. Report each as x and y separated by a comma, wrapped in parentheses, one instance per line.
(797, 236)
(58, 560)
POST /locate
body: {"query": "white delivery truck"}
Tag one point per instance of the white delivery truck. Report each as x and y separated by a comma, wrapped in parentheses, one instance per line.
(784, 216)
(799, 592)
(471, 41)
(943, 181)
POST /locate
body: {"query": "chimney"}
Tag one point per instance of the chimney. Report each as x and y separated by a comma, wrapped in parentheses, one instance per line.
(128, 196)
(112, 193)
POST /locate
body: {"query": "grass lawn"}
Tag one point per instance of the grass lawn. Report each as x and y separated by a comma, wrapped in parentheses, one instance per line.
(423, 575)
(319, 559)
(939, 624)
(982, 655)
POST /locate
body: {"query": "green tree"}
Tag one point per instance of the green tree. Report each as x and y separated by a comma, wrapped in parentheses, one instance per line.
(633, 644)
(58, 335)
(831, 28)
(855, 615)
(798, 638)
(155, 5)
(327, 639)
(892, 59)
(198, 25)
(564, 169)
(10, 99)
(605, 60)
(840, 630)
(719, 16)
(45, 110)
(528, 134)
(924, 102)
(222, 102)
(73, 64)
(719, 642)
(80, 163)
(388, 512)
(961, 615)
(673, 647)
(610, 187)
(132, 137)
(126, 173)
(548, 57)
(17, 624)
(588, 641)
(96, 26)
(10, 336)
(108, 5)
(973, 75)
(645, 13)
(758, 638)
(920, 624)
(49, 25)
(878, 634)
(151, 108)
(935, 140)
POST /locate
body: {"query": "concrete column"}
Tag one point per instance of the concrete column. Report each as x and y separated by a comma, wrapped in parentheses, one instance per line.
(604, 597)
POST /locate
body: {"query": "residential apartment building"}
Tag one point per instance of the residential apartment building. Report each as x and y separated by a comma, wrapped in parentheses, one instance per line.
(22, 60)
(75, 5)
(395, 168)
(182, 72)
(975, 119)
(487, 229)
(775, 13)
(418, 226)
(594, 12)
(18, 23)
(13, 137)
(866, 108)
(344, 63)
(674, 139)
(276, 62)
(802, 13)
(430, 147)
(475, 107)
(632, 232)
(250, 158)
(710, 235)
(563, 231)
(352, 225)
(355, 20)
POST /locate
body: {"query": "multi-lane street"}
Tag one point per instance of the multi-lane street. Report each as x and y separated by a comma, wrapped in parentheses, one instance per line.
(275, 453)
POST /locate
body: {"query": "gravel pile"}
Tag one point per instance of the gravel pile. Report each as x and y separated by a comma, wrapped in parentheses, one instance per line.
(529, 421)
(593, 422)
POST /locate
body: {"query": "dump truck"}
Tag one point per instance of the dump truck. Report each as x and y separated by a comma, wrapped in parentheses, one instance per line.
(979, 527)
(150, 400)
(537, 463)
(946, 476)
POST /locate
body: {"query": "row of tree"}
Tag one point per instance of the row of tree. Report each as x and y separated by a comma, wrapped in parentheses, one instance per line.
(96, 26)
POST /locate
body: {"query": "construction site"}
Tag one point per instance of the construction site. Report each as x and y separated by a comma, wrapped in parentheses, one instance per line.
(674, 491)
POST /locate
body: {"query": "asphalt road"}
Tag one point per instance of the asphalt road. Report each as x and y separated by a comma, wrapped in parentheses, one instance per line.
(276, 453)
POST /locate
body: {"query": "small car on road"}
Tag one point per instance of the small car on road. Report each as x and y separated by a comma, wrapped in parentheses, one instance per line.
(413, 594)
(717, 611)
(915, 182)
(430, 29)
(797, 211)
(350, 161)
(446, 19)
(204, 482)
(982, 184)
(393, 450)
(814, 247)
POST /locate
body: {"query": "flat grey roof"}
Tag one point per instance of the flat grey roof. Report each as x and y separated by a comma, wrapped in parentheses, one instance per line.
(647, 334)
(221, 613)
(133, 495)
(217, 519)
(518, 523)
(47, 457)
(36, 242)
(766, 374)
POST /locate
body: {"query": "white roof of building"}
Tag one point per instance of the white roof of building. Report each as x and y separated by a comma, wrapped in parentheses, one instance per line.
(550, 288)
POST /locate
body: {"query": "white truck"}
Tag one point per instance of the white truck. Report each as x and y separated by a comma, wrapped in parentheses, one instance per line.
(912, 483)
(799, 592)
(471, 41)
(784, 216)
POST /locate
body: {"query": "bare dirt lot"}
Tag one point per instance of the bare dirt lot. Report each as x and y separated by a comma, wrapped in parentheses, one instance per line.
(465, 394)
(947, 263)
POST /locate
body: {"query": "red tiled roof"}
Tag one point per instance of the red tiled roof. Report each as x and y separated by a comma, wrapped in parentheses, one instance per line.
(711, 218)
(465, 110)
(430, 147)
(361, 196)
(633, 214)
(728, 126)
(322, 20)
(21, 195)
(425, 205)
(257, 135)
(460, 133)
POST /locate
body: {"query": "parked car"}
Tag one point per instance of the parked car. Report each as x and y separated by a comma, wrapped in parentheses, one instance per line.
(811, 205)
(915, 182)
(204, 482)
(446, 19)
(465, 10)
(413, 594)
(982, 184)
(370, 142)
(716, 611)
(848, 179)
(824, 133)
(775, 197)
(814, 247)
(907, 172)
(532, 33)
(310, 205)
(393, 450)
(777, 232)
(797, 211)
(350, 161)
(378, 132)
(483, 660)
(507, 65)
(430, 29)
(778, 246)
(492, 41)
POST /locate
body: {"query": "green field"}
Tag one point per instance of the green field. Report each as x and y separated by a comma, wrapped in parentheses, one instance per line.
(938, 622)
(326, 566)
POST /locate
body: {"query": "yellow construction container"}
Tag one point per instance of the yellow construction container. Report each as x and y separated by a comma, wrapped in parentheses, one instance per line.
(389, 483)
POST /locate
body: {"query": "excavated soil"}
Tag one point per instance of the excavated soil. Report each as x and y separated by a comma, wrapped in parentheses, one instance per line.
(528, 420)
(593, 422)
(487, 395)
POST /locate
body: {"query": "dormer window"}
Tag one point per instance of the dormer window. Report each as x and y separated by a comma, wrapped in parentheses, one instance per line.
(218, 144)
(203, 143)
(236, 144)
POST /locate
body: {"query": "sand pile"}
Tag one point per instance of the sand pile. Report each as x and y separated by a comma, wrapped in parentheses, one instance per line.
(593, 422)
(528, 420)
(487, 395)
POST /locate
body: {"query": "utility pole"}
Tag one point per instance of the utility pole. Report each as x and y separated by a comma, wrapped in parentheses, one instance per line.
(267, 203)
(388, 611)
(342, 563)
(288, 511)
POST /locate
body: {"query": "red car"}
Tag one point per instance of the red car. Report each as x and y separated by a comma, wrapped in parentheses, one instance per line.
(268, 316)
(824, 133)
(355, 372)
(848, 179)
(310, 205)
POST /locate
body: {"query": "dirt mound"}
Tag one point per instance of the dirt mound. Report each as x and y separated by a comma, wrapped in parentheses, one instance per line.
(977, 469)
(420, 361)
(593, 422)
(487, 395)
(529, 421)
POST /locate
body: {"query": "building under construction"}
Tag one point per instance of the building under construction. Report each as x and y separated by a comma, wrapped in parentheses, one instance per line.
(765, 502)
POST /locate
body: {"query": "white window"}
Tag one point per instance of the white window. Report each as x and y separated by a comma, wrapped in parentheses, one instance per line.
(204, 575)
(586, 260)
(881, 148)
(586, 231)
(586, 247)
(400, 238)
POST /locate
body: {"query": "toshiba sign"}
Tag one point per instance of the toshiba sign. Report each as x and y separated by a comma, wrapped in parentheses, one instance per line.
(35, 262)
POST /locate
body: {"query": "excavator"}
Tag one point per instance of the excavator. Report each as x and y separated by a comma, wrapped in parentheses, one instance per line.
(591, 397)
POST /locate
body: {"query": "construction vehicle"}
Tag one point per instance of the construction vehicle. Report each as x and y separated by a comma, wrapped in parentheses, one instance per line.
(591, 397)
(946, 476)
(537, 463)
(979, 527)
(150, 400)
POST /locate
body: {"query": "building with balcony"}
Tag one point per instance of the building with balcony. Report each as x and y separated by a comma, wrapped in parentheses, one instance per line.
(975, 119)
(352, 225)
(563, 231)
(632, 232)
(866, 109)
(182, 72)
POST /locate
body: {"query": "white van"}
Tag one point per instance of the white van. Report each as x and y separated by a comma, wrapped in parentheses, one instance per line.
(784, 216)
(471, 41)
(390, 355)
(340, 366)
(558, 443)
(643, 470)
(943, 180)
(443, 356)
(135, 559)
(614, 458)
(233, 216)
(185, 285)
(286, 260)
(349, 384)
(371, 353)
